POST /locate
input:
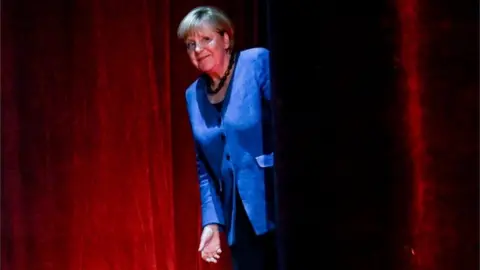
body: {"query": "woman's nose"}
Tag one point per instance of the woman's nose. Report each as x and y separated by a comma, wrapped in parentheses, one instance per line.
(198, 48)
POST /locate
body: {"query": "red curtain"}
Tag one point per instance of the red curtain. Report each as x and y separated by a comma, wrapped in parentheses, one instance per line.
(97, 164)
(438, 51)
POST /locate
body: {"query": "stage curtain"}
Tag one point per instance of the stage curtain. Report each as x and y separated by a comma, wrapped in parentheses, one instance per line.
(438, 58)
(98, 170)
(377, 134)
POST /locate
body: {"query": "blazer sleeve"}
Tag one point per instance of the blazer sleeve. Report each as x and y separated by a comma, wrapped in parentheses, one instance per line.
(211, 207)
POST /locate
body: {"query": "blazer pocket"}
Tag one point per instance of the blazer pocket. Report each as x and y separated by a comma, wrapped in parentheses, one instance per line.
(265, 161)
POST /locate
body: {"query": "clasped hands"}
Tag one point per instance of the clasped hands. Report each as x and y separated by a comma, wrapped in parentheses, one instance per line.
(210, 243)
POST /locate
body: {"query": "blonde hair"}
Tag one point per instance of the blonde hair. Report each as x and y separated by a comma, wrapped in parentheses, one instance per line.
(206, 14)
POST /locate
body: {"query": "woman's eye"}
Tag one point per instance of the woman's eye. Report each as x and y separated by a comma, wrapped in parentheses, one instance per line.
(206, 39)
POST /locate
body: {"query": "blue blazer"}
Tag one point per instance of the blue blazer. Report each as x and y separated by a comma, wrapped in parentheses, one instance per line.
(234, 146)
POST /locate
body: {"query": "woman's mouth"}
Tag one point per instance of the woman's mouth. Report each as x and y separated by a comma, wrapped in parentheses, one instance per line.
(202, 58)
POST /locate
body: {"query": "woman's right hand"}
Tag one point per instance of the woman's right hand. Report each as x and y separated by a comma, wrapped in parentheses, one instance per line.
(210, 243)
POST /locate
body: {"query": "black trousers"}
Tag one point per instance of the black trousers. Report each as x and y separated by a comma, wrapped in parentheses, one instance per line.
(251, 251)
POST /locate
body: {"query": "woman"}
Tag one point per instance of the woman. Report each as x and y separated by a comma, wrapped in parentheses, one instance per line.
(231, 119)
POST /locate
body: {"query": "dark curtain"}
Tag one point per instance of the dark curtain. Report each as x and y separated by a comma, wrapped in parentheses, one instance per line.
(377, 133)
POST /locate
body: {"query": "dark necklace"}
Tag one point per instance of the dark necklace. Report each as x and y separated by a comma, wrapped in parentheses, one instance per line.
(223, 79)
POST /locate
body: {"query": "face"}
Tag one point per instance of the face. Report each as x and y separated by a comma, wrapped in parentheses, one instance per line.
(207, 48)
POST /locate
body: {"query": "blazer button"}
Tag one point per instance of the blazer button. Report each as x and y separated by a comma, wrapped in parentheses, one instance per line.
(227, 157)
(222, 137)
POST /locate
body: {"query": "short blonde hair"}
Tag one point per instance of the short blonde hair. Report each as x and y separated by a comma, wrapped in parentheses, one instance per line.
(206, 14)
